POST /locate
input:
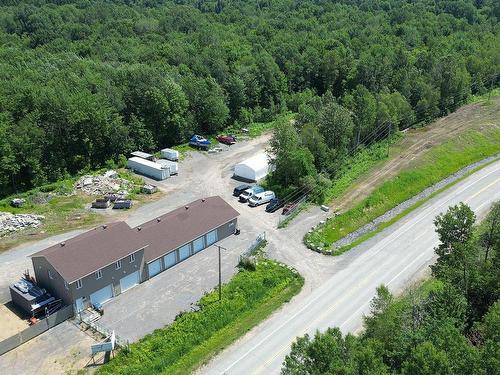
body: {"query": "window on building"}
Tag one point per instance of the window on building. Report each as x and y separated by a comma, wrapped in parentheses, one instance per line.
(66, 285)
(51, 276)
(198, 244)
(132, 258)
(98, 274)
(211, 237)
(78, 284)
(118, 265)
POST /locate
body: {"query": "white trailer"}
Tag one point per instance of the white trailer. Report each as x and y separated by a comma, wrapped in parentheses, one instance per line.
(170, 154)
(148, 168)
(172, 165)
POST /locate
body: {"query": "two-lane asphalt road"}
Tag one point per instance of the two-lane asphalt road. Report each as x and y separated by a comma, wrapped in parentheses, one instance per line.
(394, 257)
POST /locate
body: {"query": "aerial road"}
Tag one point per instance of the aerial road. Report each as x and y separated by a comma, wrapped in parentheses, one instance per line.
(395, 257)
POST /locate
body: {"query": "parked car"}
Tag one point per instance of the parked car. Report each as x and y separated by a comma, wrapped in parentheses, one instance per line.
(199, 142)
(274, 205)
(240, 189)
(226, 139)
(261, 198)
(289, 207)
(249, 193)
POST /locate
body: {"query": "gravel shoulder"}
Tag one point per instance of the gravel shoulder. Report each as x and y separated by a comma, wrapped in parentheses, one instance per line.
(400, 208)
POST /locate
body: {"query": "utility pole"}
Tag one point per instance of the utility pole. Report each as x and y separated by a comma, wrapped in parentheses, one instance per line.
(220, 274)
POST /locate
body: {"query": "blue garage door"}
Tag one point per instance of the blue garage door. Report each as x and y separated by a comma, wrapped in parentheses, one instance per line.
(154, 268)
(198, 244)
(169, 259)
(184, 252)
(129, 281)
(102, 295)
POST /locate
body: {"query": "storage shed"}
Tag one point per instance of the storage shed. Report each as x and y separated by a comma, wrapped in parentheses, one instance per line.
(253, 169)
(148, 168)
(170, 154)
(171, 165)
(143, 155)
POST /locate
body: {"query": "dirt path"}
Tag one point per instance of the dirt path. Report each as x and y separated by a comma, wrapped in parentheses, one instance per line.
(417, 142)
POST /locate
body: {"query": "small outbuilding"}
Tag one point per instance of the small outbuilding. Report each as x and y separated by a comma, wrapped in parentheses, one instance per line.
(170, 154)
(253, 169)
(171, 165)
(143, 155)
(148, 168)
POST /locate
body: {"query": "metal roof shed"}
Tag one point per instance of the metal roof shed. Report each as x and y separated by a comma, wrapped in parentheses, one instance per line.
(253, 169)
(148, 168)
(142, 155)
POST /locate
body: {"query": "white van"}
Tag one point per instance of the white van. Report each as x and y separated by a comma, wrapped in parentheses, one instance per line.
(261, 198)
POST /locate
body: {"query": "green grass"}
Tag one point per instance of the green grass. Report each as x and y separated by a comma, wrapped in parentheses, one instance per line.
(356, 167)
(396, 218)
(255, 129)
(63, 209)
(195, 337)
(435, 165)
(485, 98)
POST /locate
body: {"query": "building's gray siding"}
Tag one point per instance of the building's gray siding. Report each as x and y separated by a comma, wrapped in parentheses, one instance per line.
(227, 229)
(222, 232)
(110, 275)
(54, 286)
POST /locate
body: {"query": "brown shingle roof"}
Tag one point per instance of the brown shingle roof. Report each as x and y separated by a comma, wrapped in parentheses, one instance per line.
(183, 225)
(99, 247)
(92, 250)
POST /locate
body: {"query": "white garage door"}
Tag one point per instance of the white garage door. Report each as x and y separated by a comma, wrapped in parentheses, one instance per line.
(129, 281)
(154, 268)
(102, 295)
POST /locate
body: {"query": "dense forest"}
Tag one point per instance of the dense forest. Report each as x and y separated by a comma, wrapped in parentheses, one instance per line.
(85, 81)
(450, 325)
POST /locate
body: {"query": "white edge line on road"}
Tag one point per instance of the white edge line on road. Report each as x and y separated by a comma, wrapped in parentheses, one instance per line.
(388, 240)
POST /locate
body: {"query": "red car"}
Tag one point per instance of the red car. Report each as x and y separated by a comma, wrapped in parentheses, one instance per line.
(226, 139)
(289, 207)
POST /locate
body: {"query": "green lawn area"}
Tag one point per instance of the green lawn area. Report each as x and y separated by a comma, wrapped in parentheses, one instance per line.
(194, 337)
(435, 165)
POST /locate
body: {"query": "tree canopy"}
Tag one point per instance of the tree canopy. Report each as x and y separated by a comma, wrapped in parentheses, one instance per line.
(84, 81)
(450, 325)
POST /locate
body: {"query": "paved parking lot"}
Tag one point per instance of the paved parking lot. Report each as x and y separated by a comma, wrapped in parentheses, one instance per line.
(156, 302)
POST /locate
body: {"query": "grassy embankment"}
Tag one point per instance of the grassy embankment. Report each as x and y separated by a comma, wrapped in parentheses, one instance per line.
(435, 165)
(63, 208)
(194, 337)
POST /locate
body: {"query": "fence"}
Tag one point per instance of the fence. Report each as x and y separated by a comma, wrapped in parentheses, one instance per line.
(254, 246)
(102, 330)
(32, 331)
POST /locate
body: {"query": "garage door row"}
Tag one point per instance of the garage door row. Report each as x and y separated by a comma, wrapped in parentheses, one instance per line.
(184, 252)
(106, 293)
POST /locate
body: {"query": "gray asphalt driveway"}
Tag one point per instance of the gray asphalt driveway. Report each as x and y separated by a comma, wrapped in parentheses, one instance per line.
(156, 302)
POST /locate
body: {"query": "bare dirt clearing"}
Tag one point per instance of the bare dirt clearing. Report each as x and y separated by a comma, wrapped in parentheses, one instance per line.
(482, 117)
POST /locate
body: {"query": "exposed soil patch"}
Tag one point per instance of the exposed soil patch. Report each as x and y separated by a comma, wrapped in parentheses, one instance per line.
(416, 142)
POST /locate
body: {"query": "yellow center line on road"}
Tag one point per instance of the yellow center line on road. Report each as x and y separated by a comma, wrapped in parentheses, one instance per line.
(482, 190)
(382, 245)
(319, 318)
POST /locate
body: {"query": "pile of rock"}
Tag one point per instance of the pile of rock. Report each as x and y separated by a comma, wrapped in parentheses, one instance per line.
(12, 223)
(105, 184)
